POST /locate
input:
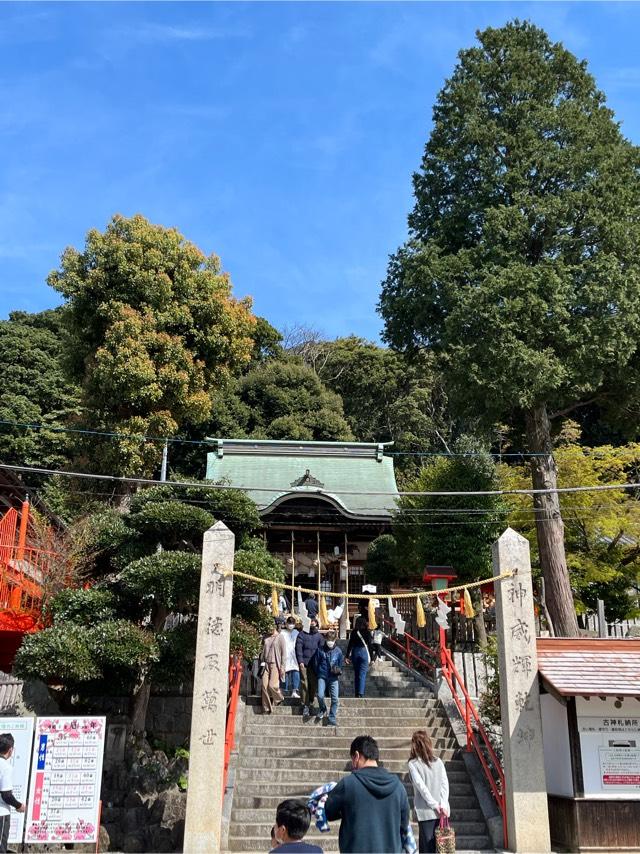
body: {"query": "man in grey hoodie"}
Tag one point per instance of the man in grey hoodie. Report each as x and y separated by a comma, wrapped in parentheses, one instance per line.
(371, 803)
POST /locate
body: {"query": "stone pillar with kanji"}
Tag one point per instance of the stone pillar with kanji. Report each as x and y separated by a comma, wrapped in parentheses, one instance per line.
(523, 757)
(210, 685)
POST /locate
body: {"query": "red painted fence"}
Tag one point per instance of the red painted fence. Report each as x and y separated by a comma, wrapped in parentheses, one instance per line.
(235, 678)
(424, 659)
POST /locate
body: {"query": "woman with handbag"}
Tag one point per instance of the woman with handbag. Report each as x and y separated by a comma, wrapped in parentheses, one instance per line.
(430, 787)
(358, 653)
(327, 663)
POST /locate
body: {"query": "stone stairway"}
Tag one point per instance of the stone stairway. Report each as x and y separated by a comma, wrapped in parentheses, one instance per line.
(283, 756)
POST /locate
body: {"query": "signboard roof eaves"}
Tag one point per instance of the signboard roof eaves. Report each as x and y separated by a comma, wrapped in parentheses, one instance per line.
(289, 447)
(590, 666)
(338, 475)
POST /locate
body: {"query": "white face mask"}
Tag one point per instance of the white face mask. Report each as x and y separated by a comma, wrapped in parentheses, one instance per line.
(290, 628)
(331, 644)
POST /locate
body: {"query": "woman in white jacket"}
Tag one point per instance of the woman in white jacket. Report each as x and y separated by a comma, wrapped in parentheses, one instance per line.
(430, 788)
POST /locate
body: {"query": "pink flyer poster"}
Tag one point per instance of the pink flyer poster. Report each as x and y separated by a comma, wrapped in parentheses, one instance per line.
(66, 774)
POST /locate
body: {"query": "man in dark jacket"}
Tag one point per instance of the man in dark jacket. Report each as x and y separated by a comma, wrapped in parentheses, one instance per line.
(306, 645)
(371, 802)
(312, 606)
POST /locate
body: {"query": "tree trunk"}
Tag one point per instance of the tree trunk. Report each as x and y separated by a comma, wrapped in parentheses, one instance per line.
(549, 525)
(140, 706)
(478, 620)
(142, 694)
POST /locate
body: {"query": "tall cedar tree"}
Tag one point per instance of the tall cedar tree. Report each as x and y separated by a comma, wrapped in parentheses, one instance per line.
(154, 332)
(522, 265)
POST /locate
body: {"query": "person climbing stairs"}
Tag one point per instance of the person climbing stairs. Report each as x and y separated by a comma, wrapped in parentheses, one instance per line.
(283, 755)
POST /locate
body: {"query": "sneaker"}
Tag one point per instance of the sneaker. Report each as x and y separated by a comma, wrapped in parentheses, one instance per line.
(319, 717)
(332, 722)
(295, 695)
(305, 711)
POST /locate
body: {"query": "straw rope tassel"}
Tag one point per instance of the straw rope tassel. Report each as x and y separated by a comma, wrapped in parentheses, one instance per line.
(468, 605)
(373, 623)
(421, 620)
(322, 613)
(275, 605)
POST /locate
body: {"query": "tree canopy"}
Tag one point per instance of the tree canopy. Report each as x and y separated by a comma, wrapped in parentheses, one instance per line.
(154, 329)
(115, 632)
(522, 267)
(35, 389)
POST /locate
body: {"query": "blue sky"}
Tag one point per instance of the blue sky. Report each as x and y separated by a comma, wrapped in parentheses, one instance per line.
(280, 136)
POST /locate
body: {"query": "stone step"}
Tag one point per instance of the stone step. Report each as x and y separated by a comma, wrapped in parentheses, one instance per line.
(254, 829)
(464, 844)
(346, 729)
(313, 776)
(326, 768)
(392, 760)
(246, 816)
(393, 703)
(269, 798)
(301, 752)
(267, 723)
(324, 738)
(410, 713)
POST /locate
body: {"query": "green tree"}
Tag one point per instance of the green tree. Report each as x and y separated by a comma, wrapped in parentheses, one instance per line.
(451, 530)
(35, 390)
(136, 588)
(602, 528)
(389, 398)
(284, 399)
(382, 559)
(521, 270)
(153, 331)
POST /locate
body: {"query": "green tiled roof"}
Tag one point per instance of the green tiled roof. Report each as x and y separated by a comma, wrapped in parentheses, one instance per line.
(333, 469)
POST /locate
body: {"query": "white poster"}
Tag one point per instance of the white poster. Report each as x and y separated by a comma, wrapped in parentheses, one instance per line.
(22, 731)
(66, 775)
(610, 745)
(620, 767)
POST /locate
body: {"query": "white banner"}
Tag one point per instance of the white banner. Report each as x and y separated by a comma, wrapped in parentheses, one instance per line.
(22, 731)
(66, 775)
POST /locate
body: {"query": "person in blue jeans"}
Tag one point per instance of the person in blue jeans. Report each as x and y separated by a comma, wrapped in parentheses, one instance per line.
(327, 663)
(358, 653)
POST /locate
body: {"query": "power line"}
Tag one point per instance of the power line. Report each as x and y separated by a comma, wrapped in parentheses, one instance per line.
(320, 492)
(144, 438)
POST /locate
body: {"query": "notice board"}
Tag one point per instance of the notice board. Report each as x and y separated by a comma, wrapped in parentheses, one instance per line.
(22, 731)
(66, 774)
(610, 747)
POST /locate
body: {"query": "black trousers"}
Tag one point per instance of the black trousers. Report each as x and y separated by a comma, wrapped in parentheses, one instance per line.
(427, 835)
(5, 824)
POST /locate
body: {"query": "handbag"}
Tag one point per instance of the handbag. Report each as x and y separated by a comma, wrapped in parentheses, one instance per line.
(445, 836)
(378, 636)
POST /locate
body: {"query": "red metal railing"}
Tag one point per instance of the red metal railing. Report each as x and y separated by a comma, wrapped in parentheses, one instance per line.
(235, 678)
(477, 738)
(414, 659)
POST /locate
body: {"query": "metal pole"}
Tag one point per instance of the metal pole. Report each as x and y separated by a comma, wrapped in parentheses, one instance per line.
(346, 603)
(165, 455)
(293, 570)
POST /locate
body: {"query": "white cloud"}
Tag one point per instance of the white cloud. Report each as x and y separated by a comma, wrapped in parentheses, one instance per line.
(153, 32)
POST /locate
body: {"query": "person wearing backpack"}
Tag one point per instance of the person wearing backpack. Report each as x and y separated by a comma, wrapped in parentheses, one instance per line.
(327, 664)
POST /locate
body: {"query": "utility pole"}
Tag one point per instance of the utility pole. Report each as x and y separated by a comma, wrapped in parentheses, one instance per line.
(163, 476)
(165, 455)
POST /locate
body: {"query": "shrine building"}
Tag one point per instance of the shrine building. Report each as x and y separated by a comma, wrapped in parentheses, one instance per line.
(321, 503)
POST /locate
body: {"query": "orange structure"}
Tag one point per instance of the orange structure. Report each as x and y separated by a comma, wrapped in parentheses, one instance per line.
(23, 570)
